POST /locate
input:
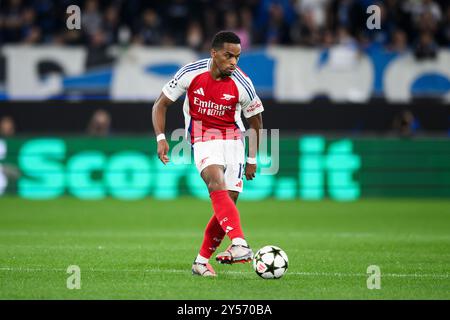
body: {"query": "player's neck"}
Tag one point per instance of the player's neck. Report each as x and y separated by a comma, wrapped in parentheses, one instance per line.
(215, 73)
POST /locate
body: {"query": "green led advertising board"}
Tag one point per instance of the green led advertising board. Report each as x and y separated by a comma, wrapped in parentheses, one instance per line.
(310, 168)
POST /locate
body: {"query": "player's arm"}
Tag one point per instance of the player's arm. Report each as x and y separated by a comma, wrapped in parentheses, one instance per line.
(170, 93)
(255, 125)
(252, 109)
(159, 124)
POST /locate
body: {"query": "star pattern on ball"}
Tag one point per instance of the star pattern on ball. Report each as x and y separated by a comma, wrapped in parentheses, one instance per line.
(275, 251)
(275, 267)
(271, 267)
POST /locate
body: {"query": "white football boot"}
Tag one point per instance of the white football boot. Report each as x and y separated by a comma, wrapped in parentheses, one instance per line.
(235, 254)
(203, 269)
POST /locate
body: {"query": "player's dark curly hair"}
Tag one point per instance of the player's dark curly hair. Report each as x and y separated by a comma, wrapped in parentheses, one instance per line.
(224, 36)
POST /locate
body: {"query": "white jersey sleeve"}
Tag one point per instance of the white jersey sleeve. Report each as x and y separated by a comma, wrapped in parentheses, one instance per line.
(248, 99)
(180, 82)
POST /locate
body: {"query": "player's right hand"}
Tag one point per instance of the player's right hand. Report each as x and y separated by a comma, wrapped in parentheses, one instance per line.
(250, 171)
(163, 150)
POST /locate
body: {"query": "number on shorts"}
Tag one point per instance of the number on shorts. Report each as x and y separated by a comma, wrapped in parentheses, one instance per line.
(241, 170)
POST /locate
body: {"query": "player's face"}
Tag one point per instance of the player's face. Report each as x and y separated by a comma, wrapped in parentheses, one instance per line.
(226, 59)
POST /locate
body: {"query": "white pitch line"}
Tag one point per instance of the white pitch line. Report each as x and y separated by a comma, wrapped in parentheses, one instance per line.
(180, 233)
(187, 271)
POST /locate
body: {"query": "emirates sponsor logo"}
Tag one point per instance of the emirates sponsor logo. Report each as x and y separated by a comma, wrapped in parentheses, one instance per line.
(210, 108)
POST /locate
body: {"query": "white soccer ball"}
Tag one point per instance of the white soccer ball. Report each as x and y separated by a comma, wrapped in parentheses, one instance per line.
(270, 262)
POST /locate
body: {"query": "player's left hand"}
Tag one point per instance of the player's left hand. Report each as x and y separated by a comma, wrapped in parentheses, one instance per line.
(250, 171)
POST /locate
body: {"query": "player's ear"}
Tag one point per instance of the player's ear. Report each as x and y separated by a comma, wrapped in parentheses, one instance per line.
(213, 53)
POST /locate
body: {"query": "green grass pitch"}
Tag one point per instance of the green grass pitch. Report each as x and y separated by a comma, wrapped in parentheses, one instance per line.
(144, 249)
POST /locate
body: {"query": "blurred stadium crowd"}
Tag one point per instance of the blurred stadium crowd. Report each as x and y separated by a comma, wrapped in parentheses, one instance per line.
(420, 24)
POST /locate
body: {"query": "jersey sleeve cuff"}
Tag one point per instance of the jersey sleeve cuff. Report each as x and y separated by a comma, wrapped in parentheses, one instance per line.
(253, 112)
(169, 95)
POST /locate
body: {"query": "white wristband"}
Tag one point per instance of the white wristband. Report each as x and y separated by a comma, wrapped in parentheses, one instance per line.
(251, 160)
(160, 137)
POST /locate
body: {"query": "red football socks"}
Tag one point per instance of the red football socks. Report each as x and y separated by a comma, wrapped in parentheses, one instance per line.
(226, 213)
(213, 237)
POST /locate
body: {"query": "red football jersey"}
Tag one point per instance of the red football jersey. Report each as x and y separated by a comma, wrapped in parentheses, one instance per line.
(212, 108)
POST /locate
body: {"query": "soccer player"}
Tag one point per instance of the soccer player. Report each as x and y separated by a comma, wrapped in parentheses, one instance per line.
(217, 91)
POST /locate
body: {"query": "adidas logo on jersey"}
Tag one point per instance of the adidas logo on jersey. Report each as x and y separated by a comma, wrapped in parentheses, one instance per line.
(199, 91)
